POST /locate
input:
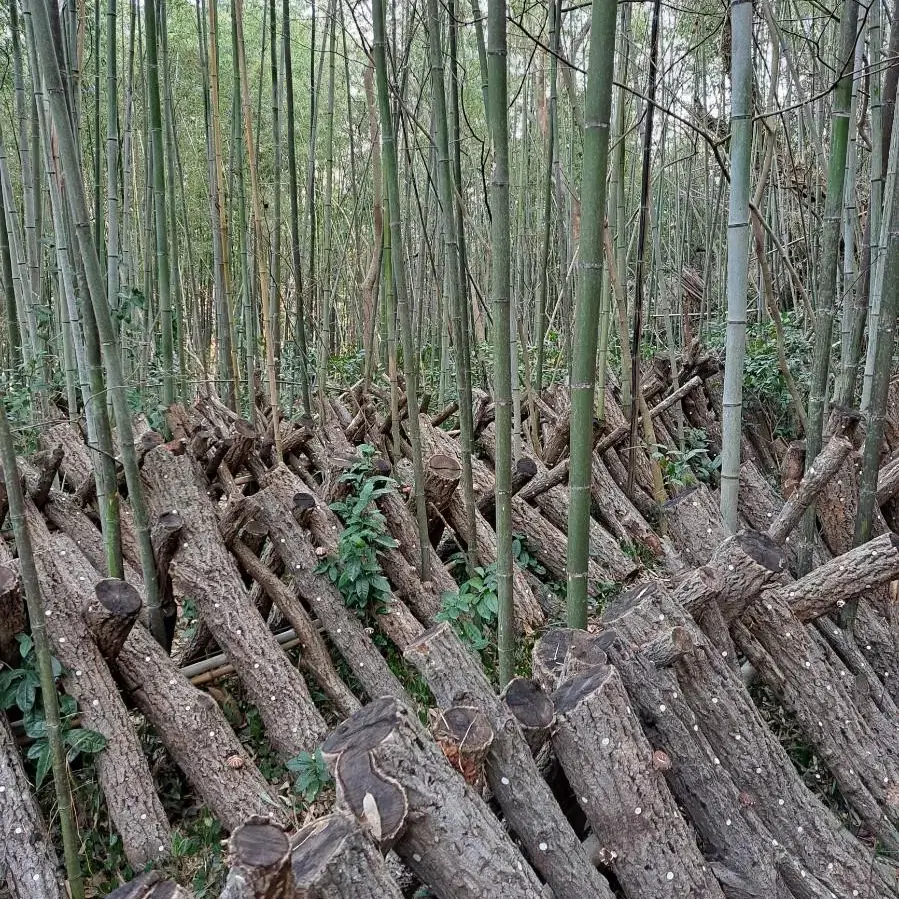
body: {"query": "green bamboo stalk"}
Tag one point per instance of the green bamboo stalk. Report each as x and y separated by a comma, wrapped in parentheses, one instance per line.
(883, 344)
(325, 335)
(410, 354)
(738, 236)
(160, 233)
(829, 258)
(597, 115)
(454, 275)
(49, 697)
(500, 278)
(46, 62)
(300, 323)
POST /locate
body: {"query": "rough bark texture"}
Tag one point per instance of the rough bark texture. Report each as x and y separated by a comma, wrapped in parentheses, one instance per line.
(76, 464)
(742, 566)
(858, 750)
(395, 619)
(333, 858)
(694, 524)
(203, 569)
(346, 631)
(609, 764)
(122, 770)
(755, 760)
(855, 573)
(28, 863)
(151, 885)
(12, 609)
(259, 862)
(425, 599)
(390, 775)
(454, 676)
(110, 614)
(826, 466)
(314, 657)
(528, 614)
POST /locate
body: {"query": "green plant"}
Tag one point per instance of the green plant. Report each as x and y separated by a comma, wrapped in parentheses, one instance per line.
(524, 557)
(20, 687)
(355, 569)
(472, 609)
(683, 468)
(312, 775)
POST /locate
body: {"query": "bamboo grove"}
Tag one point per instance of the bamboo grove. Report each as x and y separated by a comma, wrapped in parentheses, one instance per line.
(442, 199)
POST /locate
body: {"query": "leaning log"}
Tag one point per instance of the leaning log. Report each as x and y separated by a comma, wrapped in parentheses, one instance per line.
(203, 569)
(258, 861)
(757, 763)
(151, 885)
(122, 769)
(315, 659)
(857, 749)
(454, 676)
(28, 863)
(333, 858)
(110, 614)
(12, 610)
(342, 625)
(612, 770)
(395, 780)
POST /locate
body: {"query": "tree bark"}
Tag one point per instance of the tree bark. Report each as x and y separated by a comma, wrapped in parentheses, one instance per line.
(333, 858)
(610, 766)
(757, 763)
(203, 569)
(259, 862)
(122, 769)
(455, 677)
(392, 777)
(28, 861)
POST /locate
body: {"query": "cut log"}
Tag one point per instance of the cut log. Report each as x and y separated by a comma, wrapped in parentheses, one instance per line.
(333, 858)
(609, 764)
(694, 524)
(528, 614)
(756, 762)
(553, 506)
(345, 630)
(151, 885)
(28, 863)
(523, 471)
(164, 536)
(396, 781)
(122, 770)
(888, 482)
(110, 614)
(532, 708)
(315, 659)
(47, 464)
(454, 677)
(66, 515)
(76, 466)
(564, 653)
(826, 466)
(394, 619)
(849, 576)
(424, 600)
(792, 468)
(259, 862)
(465, 735)
(442, 477)
(736, 573)
(858, 750)
(203, 569)
(12, 611)
(621, 430)
(733, 837)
